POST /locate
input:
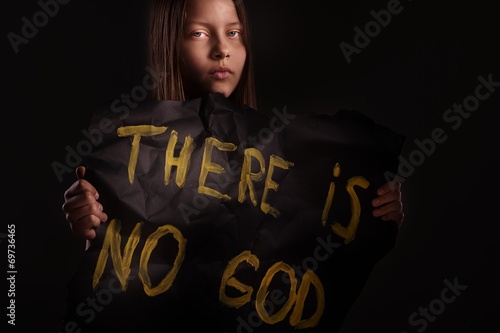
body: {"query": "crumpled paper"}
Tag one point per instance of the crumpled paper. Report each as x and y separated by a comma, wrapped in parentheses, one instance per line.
(228, 218)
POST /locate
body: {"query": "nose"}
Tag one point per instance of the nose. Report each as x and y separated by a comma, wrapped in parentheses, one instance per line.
(222, 55)
(220, 50)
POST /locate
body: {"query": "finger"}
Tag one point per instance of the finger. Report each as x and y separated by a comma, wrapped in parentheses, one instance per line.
(83, 207)
(394, 206)
(389, 187)
(80, 187)
(386, 198)
(88, 234)
(79, 195)
(86, 227)
(80, 172)
(86, 223)
(89, 220)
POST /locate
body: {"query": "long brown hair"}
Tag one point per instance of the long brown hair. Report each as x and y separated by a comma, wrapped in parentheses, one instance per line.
(166, 23)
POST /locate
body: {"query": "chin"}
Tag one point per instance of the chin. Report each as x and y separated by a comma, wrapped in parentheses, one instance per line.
(223, 93)
(223, 90)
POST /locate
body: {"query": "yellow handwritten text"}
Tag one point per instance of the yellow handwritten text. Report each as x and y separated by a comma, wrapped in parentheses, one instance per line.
(349, 232)
(182, 162)
(295, 297)
(122, 261)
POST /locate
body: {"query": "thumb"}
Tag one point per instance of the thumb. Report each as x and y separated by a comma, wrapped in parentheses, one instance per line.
(80, 172)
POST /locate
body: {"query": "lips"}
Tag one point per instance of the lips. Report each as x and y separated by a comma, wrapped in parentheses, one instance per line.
(220, 73)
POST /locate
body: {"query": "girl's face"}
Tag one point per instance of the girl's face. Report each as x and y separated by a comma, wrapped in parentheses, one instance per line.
(212, 50)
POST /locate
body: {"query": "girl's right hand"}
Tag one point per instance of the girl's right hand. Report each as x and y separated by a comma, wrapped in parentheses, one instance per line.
(83, 212)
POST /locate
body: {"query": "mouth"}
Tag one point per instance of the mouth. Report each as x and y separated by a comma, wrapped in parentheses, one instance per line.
(220, 73)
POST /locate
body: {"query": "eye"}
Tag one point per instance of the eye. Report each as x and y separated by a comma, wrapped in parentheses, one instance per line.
(198, 34)
(234, 33)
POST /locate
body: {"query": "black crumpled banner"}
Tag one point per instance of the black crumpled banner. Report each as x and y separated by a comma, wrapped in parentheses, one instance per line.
(198, 234)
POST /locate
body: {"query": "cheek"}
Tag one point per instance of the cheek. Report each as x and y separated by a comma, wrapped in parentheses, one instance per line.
(240, 58)
(190, 59)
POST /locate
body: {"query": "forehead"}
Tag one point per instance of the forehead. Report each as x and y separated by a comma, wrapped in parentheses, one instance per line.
(211, 10)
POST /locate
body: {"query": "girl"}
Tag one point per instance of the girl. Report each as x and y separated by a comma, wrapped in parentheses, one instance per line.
(200, 47)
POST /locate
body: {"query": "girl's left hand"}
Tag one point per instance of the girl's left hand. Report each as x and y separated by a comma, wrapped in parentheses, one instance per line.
(388, 204)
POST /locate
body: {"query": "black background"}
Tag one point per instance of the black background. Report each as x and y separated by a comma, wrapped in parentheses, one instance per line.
(426, 59)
